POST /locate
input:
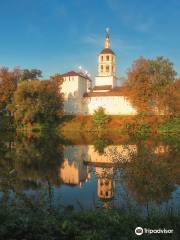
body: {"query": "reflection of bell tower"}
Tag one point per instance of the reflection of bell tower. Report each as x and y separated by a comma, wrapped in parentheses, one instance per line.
(106, 186)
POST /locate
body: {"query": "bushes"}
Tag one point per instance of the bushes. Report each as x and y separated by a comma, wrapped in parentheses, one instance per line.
(172, 126)
(40, 223)
(100, 119)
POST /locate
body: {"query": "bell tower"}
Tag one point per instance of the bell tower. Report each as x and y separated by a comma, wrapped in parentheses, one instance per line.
(106, 65)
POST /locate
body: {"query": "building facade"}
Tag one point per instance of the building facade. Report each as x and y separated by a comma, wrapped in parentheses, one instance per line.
(81, 98)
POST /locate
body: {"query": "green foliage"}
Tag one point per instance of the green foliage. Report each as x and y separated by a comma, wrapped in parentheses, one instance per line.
(171, 126)
(100, 119)
(37, 102)
(100, 144)
(29, 220)
(32, 74)
(138, 129)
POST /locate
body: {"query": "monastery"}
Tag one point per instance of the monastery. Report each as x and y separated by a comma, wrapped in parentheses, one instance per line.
(82, 98)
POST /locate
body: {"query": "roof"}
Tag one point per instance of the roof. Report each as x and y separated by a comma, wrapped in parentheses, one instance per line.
(103, 87)
(107, 51)
(118, 91)
(73, 73)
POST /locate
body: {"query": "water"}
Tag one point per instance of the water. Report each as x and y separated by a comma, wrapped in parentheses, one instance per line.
(93, 171)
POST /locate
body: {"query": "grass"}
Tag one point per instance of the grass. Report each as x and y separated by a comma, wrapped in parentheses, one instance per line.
(27, 220)
(171, 126)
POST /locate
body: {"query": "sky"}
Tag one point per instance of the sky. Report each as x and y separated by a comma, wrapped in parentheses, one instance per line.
(57, 36)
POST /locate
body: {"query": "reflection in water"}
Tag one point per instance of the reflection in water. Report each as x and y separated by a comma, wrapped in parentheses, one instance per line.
(73, 170)
(148, 169)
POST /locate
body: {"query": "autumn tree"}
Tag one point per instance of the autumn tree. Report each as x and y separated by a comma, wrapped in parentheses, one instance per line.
(8, 85)
(174, 99)
(37, 102)
(150, 85)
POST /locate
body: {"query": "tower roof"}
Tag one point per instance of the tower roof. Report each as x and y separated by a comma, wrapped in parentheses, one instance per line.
(107, 51)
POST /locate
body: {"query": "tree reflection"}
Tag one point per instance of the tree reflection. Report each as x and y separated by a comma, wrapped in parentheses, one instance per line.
(32, 160)
(151, 173)
(100, 142)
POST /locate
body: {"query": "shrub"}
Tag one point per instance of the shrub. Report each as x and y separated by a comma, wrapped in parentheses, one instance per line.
(100, 119)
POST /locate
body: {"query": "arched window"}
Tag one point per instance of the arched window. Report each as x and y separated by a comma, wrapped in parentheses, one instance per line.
(107, 58)
(101, 68)
(101, 58)
(107, 68)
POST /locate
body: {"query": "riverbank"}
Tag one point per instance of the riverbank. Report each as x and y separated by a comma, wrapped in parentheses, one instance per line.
(117, 124)
(33, 221)
(131, 124)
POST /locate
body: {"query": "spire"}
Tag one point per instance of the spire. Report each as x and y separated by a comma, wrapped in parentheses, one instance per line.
(107, 40)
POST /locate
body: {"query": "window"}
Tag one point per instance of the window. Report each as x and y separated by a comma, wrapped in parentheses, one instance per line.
(107, 194)
(101, 58)
(107, 58)
(107, 68)
(101, 68)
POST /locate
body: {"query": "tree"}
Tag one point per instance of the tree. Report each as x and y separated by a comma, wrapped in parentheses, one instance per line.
(150, 85)
(37, 102)
(57, 79)
(100, 119)
(33, 74)
(8, 85)
(174, 99)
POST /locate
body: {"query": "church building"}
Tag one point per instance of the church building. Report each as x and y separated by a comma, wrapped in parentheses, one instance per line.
(80, 97)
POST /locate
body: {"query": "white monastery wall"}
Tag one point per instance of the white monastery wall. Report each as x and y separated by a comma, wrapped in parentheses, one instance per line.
(113, 105)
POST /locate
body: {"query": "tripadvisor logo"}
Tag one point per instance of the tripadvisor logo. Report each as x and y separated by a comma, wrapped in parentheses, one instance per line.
(139, 231)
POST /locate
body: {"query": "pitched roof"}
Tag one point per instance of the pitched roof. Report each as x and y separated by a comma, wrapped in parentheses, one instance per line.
(118, 91)
(73, 73)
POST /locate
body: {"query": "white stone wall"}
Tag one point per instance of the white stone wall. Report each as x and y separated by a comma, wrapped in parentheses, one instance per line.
(114, 105)
(74, 88)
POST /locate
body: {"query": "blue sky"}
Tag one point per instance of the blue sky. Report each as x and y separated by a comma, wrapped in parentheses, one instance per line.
(59, 35)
